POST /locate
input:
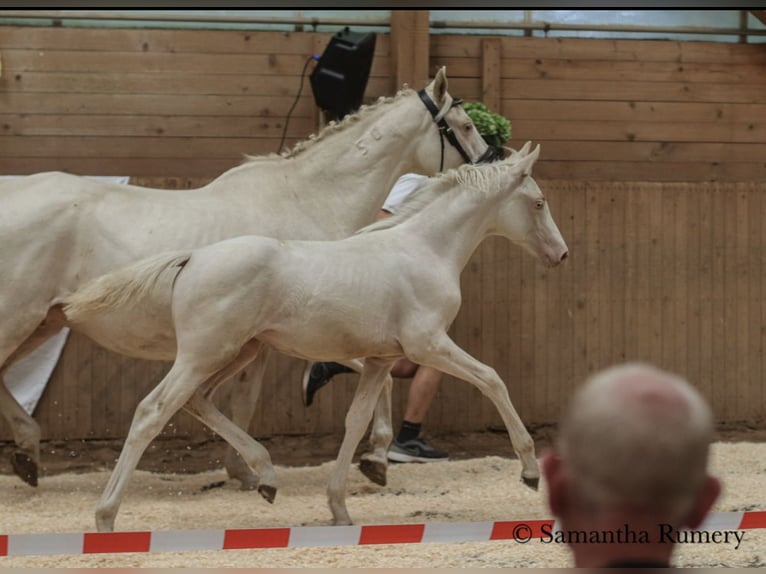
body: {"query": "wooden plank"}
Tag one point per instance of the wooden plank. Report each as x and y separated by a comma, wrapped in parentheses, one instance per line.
(466, 46)
(490, 72)
(638, 171)
(633, 110)
(491, 328)
(680, 249)
(180, 104)
(157, 40)
(663, 137)
(655, 288)
(595, 290)
(633, 319)
(626, 91)
(196, 127)
(745, 361)
(562, 381)
(610, 70)
(652, 153)
(719, 376)
(608, 130)
(617, 271)
(707, 306)
(409, 48)
(692, 283)
(504, 296)
(76, 61)
(578, 259)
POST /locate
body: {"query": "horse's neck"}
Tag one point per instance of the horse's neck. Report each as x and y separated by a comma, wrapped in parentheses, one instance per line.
(345, 178)
(453, 225)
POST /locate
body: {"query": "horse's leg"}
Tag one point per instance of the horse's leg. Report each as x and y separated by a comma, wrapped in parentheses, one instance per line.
(152, 414)
(25, 460)
(367, 392)
(374, 463)
(252, 452)
(244, 397)
(443, 354)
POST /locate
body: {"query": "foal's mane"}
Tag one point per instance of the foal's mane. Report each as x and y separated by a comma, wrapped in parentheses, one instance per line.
(333, 127)
(484, 179)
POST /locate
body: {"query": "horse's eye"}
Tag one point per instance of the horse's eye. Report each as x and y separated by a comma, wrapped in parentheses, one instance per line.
(468, 127)
(539, 203)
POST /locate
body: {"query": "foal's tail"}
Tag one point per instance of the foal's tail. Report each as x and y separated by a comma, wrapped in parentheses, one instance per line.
(127, 286)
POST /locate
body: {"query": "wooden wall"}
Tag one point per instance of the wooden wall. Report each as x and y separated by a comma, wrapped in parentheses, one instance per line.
(652, 157)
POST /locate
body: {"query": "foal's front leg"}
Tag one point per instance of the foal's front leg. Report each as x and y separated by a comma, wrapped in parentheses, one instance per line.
(374, 463)
(367, 393)
(443, 354)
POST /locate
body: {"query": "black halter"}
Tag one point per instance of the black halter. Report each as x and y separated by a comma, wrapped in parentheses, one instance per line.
(446, 131)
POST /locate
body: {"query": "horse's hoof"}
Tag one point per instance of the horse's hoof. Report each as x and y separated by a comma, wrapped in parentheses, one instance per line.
(532, 483)
(375, 471)
(250, 483)
(268, 492)
(24, 467)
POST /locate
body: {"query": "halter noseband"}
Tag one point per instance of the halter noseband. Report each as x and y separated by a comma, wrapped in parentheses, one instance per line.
(448, 132)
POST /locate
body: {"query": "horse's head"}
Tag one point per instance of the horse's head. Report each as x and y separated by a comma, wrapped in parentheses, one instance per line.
(456, 140)
(524, 216)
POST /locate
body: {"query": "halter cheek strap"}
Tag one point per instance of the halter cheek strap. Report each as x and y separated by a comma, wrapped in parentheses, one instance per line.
(446, 131)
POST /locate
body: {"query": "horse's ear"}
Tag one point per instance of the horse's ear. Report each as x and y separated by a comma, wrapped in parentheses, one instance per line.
(527, 162)
(525, 148)
(439, 87)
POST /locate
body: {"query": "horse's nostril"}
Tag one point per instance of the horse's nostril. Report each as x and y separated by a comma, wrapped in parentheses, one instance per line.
(566, 254)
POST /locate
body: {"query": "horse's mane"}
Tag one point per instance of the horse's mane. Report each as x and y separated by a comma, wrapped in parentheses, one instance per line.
(332, 128)
(483, 179)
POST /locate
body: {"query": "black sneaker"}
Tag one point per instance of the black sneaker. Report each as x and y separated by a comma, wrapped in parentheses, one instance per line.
(415, 450)
(317, 375)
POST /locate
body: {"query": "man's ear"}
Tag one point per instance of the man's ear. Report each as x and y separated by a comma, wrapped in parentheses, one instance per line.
(708, 494)
(553, 472)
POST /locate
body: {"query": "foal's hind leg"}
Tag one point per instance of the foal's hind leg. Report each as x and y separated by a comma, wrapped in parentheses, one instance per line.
(243, 400)
(26, 432)
(151, 415)
(154, 411)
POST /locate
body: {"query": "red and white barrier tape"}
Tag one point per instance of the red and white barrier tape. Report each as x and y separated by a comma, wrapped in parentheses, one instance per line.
(304, 536)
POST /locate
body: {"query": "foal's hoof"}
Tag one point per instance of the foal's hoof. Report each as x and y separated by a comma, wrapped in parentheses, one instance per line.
(249, 483)
(375, 471)
(24, 467)
(532, 483)
(268, 492)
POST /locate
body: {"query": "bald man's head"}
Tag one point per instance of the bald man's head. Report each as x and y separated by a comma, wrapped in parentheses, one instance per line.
(637, 438)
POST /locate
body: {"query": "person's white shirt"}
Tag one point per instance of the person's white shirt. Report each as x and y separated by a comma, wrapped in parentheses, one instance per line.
(403, 187)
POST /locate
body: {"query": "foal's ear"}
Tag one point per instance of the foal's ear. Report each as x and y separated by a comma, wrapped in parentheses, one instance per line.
(526, 162)
(439, 87)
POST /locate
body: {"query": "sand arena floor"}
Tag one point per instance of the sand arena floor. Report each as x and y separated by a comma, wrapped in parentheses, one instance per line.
(481, 485)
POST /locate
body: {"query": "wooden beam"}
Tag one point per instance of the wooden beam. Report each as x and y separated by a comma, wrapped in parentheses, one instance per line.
(760, 14)
(490, 73)
(409, 48)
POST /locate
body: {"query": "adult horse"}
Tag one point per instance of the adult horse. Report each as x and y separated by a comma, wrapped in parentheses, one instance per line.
(58, 231)
(218, 305)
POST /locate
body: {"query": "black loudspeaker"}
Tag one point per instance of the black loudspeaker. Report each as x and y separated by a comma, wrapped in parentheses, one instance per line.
(340, 77)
